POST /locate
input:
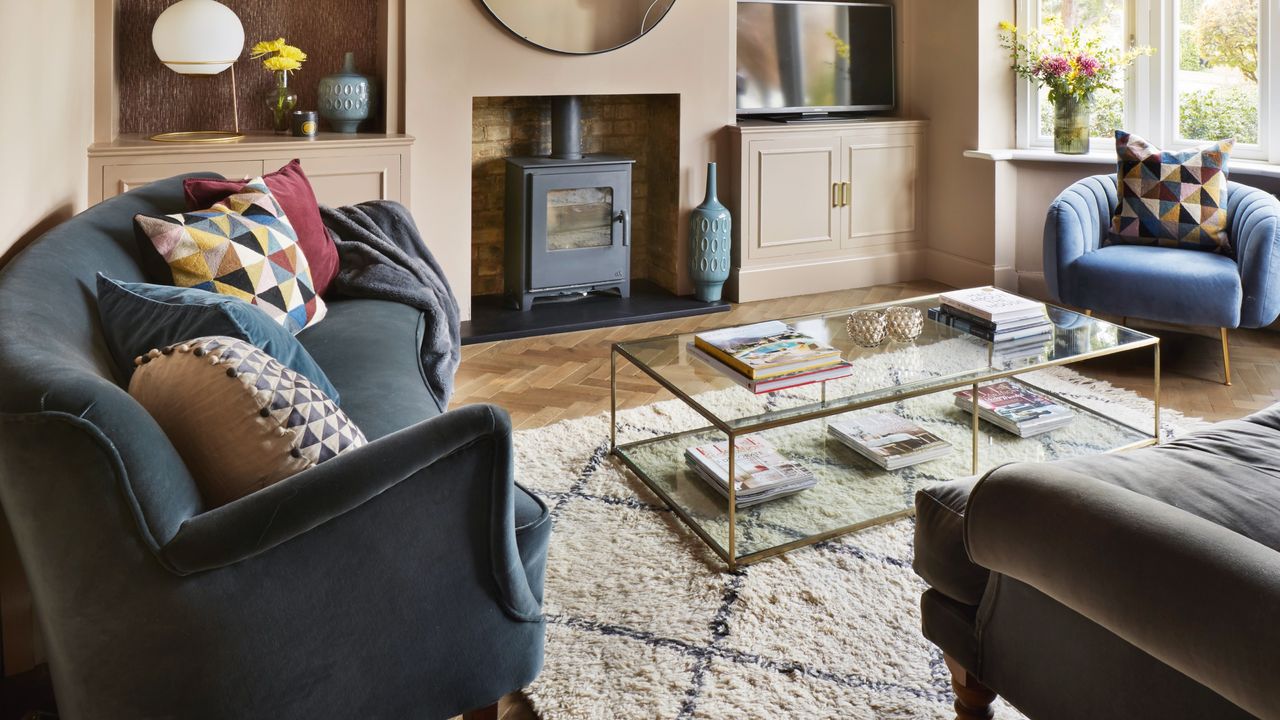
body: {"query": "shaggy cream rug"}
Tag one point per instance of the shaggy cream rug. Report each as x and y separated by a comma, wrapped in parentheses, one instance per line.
(645, 622)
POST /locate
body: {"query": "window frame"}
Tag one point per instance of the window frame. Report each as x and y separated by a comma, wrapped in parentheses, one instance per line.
(1150, 105)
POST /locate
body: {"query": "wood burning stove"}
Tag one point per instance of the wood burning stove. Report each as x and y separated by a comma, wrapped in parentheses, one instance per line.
(568, 229)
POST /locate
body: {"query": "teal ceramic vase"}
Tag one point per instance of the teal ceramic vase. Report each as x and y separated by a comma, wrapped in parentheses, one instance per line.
(346, 97)
(709, 226)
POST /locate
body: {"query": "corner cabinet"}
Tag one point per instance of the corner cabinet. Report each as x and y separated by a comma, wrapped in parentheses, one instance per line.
(825, 206)
(343, 168)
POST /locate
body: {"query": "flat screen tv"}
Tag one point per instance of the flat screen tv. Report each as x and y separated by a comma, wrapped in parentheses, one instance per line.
(813, 58)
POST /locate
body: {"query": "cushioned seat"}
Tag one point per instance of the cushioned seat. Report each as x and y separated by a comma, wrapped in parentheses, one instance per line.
(364, 349)
(939, 547)
(373, 362)
(1162, 284)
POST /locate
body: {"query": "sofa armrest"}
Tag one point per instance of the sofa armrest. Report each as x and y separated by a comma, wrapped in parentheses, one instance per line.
(1189, 592)
(1076, 223)
(1254, 217)
(272, 516)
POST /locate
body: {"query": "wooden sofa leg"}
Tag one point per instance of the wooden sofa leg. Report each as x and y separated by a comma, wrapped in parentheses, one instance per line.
(485, 713)
(973, 699)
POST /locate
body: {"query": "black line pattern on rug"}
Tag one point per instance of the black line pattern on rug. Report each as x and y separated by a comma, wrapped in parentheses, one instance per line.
(739, 657)
(719, 626)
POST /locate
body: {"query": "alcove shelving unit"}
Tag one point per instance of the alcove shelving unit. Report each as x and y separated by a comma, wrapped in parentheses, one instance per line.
(343, 168)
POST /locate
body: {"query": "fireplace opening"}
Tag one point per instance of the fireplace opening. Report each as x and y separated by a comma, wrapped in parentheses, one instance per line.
(641, 131)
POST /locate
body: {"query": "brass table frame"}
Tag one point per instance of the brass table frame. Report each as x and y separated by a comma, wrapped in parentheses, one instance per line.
(729, 554)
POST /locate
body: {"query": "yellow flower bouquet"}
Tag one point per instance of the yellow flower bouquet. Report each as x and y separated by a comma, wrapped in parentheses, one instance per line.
(281, 58)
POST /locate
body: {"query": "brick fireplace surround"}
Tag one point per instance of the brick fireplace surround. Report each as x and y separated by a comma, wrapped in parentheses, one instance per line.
(643, 127)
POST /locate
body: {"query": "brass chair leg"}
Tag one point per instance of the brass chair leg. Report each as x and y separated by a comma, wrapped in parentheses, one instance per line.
(1226, 357)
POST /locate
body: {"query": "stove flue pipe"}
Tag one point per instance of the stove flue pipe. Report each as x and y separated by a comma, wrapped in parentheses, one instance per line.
(566, 127)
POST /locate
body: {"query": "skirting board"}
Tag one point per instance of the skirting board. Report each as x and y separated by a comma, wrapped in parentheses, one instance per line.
(777, 281)
(958, 271)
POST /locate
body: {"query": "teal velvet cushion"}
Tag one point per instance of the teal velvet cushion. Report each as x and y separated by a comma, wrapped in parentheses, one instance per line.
(137, 317)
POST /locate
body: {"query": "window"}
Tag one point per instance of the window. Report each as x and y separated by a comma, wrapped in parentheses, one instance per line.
(1208, 79)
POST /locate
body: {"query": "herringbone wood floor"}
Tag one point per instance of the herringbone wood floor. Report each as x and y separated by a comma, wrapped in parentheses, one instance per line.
(546, 379)
(557, 377)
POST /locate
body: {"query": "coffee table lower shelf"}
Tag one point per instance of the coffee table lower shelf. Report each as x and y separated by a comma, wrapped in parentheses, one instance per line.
(852, 493)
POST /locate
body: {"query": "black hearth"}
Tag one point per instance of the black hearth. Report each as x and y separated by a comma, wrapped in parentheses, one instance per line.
(568, 218)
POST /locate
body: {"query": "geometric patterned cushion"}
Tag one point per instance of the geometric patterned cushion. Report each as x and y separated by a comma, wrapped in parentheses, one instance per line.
(240, 420)
(243, 246)
(1171, 199)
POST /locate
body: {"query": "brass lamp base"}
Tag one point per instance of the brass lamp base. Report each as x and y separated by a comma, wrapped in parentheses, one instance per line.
(198, 136)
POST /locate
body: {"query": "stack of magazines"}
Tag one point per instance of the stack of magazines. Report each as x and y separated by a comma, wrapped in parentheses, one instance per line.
(1009, 321)
(888, 440)
(761, 473)
(1016, 408)
(769, 356)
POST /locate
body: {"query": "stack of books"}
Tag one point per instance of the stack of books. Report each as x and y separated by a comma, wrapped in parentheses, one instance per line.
(761, 473)
(1014, 324)
(888, 440)
(1016, 408)
(769, 356)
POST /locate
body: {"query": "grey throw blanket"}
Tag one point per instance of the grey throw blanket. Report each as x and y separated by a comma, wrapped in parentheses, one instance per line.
(382, 256)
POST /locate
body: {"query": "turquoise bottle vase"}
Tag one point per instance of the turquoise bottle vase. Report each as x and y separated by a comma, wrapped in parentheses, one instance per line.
(709, 226)
(346, 97)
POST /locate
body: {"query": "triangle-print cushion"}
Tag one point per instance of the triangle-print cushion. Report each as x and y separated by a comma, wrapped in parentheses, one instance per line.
(1171, 199)
(240, 420)
(244, 247)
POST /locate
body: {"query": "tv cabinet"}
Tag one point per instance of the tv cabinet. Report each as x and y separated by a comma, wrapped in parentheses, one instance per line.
(825, 206)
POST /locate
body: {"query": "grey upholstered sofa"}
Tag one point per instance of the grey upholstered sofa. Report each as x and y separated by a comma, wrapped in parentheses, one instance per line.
(1143, 584)
(399, 580)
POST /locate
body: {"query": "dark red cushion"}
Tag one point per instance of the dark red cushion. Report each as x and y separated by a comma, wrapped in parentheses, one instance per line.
(293, 191)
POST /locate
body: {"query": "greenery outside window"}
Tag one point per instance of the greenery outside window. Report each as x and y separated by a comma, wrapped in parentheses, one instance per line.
(1208, 80)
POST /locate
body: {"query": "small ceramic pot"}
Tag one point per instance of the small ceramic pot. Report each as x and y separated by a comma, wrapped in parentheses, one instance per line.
(867, 328)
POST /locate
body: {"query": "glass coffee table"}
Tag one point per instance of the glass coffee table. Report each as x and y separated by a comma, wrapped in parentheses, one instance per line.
(915, 379)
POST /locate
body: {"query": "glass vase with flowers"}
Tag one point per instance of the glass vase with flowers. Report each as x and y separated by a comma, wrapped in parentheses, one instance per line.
(1073, 63)
(280, 58)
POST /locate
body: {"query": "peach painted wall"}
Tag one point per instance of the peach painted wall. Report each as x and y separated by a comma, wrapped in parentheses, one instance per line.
(46, 50)
(455, 51)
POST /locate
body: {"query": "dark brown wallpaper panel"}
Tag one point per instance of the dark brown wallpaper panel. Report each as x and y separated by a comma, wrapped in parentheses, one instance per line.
(153, 98)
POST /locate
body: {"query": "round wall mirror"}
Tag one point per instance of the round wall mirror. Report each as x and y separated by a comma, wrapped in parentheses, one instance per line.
(579, 27)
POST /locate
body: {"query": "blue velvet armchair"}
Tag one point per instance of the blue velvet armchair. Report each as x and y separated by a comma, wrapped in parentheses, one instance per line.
(1169, 285)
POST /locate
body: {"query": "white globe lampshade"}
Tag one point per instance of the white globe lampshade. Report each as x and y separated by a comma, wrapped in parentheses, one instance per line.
(198, 37)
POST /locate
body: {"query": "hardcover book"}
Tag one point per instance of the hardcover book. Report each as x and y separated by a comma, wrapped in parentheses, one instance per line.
(776, 382)
(993, 305)
(766, 349)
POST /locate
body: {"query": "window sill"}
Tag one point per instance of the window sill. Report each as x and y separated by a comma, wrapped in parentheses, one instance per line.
(1254, 168)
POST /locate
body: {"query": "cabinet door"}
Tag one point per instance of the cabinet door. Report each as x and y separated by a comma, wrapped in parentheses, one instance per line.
(350, 179)
(791, 195)
(882, 196)
(118, 179)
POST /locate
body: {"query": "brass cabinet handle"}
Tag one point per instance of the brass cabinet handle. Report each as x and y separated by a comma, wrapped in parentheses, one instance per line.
(844, 194)
(835, 194)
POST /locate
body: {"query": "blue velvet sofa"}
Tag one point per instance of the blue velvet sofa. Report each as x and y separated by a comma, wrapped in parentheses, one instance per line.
(399, 580)
(1170, 285)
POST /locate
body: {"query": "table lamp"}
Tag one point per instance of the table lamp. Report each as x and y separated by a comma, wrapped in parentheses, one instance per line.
(200, 37)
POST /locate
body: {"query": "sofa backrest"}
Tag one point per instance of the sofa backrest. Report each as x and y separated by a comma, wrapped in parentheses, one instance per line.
(53, 358)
